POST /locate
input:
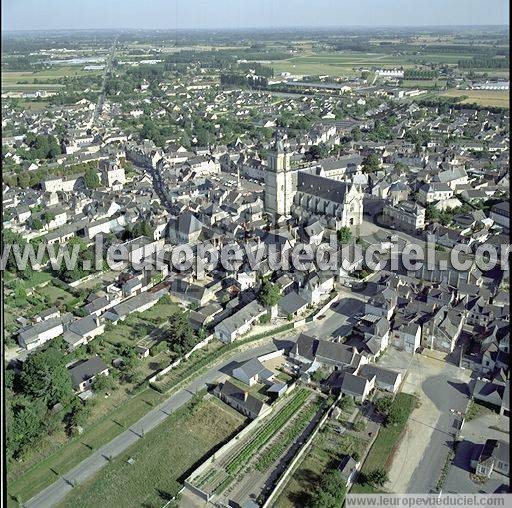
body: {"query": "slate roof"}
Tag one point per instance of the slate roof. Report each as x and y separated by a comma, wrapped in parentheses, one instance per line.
(325, 188)
(335, 352)
(86, 369)
(353, 384)
(244, 399)
(382, 375)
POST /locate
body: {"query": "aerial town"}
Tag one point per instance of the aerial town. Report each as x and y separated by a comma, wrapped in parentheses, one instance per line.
(165, 379)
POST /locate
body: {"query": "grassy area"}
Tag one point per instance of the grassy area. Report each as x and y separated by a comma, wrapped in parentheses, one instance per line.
(498, 98)
(342, 63)
(388, 439)
(136, 326)
(26, 482)
(55, 295)
(162, 459)
(325, 453)
(477, 410)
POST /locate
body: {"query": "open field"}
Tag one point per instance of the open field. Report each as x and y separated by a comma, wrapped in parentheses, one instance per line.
(20, 80)
(342, 63)
(30, 481)
(498, 98)
(161, 459)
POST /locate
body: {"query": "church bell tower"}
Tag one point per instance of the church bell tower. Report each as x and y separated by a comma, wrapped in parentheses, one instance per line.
(278, 180)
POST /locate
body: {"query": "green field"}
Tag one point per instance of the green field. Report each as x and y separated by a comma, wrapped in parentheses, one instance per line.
(342, 63)
(388, 439)
(14, 80)
(30, 481)
(162, 459)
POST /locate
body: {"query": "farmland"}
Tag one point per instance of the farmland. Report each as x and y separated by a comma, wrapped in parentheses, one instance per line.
(160, 459)
(499, 98)
(343, 63)
(248, 465)
(43, 79)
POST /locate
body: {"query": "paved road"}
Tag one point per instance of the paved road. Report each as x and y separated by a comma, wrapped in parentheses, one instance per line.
(422, 453)
(106, 74)
(56, 492)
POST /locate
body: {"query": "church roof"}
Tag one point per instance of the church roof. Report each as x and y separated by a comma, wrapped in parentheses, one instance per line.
(321, 187)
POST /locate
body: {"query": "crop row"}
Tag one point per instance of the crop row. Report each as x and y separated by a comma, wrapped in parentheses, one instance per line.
(286, 438)
(266, 432)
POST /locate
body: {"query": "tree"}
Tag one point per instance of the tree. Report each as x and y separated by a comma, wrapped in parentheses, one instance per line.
(269, 294)
(45, 377)
(91, 178)
(319, 151)
(331, 491)
(383, 404)
(103, 383)
(344, 235)
(24, 422)
(181, 336)
(371, 163)
(377, 477)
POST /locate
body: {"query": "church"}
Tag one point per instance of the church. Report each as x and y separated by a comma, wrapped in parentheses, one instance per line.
(305, 195)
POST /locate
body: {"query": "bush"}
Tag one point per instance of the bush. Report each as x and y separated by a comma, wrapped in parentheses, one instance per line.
(158, 348)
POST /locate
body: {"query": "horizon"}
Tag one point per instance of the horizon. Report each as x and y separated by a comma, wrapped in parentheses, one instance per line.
(58, 15)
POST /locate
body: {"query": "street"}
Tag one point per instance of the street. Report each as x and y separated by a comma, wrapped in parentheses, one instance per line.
(332, 325)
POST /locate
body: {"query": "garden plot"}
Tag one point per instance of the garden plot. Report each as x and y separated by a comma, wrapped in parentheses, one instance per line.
(247, 469)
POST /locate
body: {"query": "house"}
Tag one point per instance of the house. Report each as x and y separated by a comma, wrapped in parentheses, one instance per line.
(442, 330)
(436, 191)
(406, 216)
(32, 336)
(336, 355)
(348, 468)
(492, 394)
(240, 322)
(292, 304)
(241, 400)
(189, 292)
(83, 330)
(500, 214)
(385, 379)
(382, 304)
(84, 373)
(185, 229)
(304, 349)
(494, 456)
(356, 386)
(407, 337)
(252, 372)
(138, 303)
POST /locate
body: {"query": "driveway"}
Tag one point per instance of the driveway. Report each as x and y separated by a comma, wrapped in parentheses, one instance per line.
(421, 455)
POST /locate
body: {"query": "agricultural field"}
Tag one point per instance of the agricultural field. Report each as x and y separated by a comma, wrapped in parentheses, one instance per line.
(258, 453)
(24, 80)
(499, 98)
(160, 459)
(343, 63)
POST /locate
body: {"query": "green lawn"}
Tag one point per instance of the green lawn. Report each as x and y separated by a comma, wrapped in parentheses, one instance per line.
(30, 481)
(162, 459)
(55, 295)
(388, 438)
(136, 326)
